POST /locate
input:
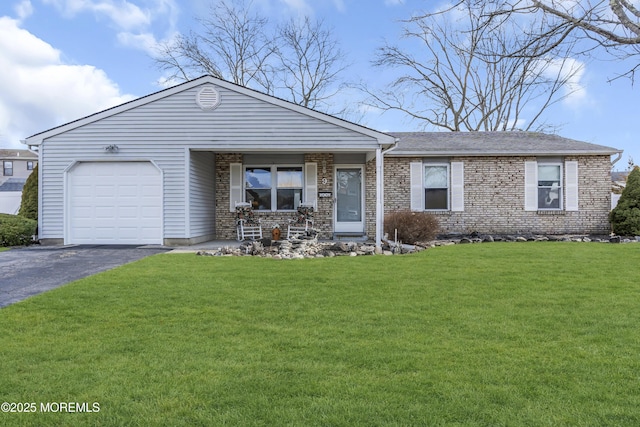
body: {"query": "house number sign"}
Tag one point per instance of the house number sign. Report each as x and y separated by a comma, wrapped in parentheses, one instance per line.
(325, 194)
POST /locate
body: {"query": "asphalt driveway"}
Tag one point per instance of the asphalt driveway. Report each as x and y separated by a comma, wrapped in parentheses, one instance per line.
(33, 270)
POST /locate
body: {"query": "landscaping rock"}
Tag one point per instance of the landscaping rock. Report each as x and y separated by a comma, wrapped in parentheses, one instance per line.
(309, 247)
(305, 247)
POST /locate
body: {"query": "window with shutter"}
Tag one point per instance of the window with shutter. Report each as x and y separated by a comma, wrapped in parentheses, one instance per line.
(437, 186)
(273, 187)
(571, 185)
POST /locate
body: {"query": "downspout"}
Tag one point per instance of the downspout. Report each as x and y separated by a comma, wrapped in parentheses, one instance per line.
(380, 153)
(40, 173)
(614, 161)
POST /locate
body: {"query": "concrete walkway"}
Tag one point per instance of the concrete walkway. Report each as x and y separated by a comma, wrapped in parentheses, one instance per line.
(205, 246)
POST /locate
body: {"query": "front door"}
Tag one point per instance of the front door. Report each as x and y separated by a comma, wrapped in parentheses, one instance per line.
(349, 206)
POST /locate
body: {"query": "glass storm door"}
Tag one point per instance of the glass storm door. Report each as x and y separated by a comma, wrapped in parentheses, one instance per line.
(349, 206)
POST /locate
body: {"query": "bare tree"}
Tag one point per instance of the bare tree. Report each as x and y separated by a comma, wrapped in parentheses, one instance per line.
(609, 25)
(300, 61)
(462, 80)
(233, 46)
(310, 62)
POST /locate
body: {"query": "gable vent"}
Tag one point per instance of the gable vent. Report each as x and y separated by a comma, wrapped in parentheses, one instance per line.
(208, 98)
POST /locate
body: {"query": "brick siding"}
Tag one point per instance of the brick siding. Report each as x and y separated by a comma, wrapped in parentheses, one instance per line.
(225, 220)
(494, 197)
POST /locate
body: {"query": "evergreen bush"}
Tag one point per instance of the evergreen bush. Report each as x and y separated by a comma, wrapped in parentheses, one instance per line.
(29, 203)
(625, 217)
(16, 230)
(412, 227)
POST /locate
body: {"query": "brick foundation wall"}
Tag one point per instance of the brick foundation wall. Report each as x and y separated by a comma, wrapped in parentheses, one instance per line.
(494, 197)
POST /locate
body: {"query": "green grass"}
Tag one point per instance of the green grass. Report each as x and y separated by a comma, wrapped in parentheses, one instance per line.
(504, 334)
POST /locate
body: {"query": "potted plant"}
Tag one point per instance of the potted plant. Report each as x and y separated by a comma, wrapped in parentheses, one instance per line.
(275, 232)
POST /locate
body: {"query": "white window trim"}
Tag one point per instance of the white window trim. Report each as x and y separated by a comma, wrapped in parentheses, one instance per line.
(274, 184)
(448, 166)
(561, 189)
(5, 168)
(455, 195)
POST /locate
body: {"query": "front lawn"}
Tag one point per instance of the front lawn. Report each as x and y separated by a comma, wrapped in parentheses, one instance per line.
(495, 334)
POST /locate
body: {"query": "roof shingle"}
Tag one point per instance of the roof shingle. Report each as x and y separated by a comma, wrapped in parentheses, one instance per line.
(492, 144)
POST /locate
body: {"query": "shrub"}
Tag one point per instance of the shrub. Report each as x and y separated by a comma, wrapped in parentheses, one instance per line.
(29, 204)
(625, 217)
(16, 230)
(412, 227)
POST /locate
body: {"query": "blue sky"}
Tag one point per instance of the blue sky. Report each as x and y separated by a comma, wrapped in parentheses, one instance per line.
(64, 59)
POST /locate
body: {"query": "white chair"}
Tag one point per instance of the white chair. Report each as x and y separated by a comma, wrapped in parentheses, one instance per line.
(247, 226)
(303, 221)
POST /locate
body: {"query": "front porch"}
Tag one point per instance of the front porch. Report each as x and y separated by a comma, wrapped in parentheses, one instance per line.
(342, 186)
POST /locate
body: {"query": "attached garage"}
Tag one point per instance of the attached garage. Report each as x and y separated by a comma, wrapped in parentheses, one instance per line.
(114, 203)
(156, 170)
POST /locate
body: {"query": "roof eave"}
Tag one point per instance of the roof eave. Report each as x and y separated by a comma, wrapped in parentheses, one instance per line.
(420, 153)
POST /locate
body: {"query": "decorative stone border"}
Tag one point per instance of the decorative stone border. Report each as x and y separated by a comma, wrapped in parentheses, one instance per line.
(476, 238)
(310, 247)
(305, 247)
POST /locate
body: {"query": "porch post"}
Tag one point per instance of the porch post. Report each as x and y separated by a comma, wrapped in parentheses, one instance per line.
(379, 197)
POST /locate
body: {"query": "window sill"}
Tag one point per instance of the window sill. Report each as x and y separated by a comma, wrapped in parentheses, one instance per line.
(267, 211)
(552, 212)
(437, 212)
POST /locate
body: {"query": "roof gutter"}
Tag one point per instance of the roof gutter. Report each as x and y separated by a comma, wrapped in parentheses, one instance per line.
(392, 147)
(499, 153)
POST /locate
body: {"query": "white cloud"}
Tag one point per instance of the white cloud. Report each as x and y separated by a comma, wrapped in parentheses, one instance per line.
(132, 23)
(304, 7)
(300, 7)
(571, 70)
(339, 4)
(145, 41)
(40, 91)
(23, 9)
(393, 2)
(124, 15)
(167, 82)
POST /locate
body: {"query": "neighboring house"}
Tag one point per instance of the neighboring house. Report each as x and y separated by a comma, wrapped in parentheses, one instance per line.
(16, 167)
(168, 168)
(618, 182)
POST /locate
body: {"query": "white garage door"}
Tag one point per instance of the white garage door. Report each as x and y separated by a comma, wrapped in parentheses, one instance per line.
(114, 203)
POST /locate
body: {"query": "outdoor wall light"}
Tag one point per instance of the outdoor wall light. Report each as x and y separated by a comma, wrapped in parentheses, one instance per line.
(113, 148)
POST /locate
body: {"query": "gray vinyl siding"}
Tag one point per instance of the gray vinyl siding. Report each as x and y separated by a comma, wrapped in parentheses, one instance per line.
(164, 129)
(60, 153)
(202, 194)
(19, 167)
